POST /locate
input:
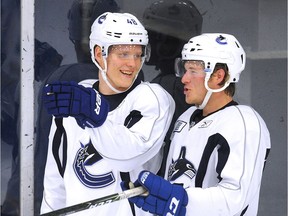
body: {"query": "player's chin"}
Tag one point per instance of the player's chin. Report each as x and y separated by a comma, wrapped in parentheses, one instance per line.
(189, 99)
(127, 80)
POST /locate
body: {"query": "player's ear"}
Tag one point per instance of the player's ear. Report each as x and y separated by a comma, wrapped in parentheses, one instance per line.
(219, 76)
(217, 79)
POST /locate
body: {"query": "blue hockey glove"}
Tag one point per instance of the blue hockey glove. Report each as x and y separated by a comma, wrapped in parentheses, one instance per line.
(86, 105)
(164, 198)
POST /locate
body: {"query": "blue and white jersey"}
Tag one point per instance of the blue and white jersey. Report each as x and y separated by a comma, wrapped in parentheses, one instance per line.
(219, 159)
(130, 140)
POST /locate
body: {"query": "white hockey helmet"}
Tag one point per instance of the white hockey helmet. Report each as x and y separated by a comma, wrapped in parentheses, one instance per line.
(116, 29)
(213, 48)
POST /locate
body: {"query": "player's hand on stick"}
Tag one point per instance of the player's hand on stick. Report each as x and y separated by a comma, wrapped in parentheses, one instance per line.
(164, 198)
(86, 105)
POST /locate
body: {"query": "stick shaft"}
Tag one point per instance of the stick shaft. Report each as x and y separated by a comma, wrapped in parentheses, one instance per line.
(97, 202)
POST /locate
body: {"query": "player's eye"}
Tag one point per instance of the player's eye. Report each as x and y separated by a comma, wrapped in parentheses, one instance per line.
(123, 55)
(129, 56)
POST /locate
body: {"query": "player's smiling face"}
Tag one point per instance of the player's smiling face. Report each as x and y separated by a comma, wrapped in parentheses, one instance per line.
(123, 64)
(193, 80)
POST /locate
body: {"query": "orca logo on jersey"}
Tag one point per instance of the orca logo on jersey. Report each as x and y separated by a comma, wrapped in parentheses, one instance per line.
(86, 157)
(181, 167)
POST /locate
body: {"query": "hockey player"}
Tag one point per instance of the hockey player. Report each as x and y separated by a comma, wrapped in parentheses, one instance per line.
(81, 15)
(108, 129)
(219, 148)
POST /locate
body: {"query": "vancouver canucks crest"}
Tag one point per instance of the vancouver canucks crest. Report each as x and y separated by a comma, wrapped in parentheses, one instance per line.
(181, 167)
(87, 156)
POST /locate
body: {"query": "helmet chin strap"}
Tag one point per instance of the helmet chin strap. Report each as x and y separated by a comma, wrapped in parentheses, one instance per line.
(210, 91)
(205, 101)
(104, 75)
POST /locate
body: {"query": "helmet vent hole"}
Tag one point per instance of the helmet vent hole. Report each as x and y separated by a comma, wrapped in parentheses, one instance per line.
(117, 35)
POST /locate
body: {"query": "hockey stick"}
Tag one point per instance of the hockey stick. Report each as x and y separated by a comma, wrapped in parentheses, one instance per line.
(98, 202)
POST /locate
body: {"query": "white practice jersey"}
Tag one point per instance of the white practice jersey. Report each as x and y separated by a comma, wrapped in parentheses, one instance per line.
(97, 160)
(219, 160)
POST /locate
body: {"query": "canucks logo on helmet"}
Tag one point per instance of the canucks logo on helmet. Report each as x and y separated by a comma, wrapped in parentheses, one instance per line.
(102, 18)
